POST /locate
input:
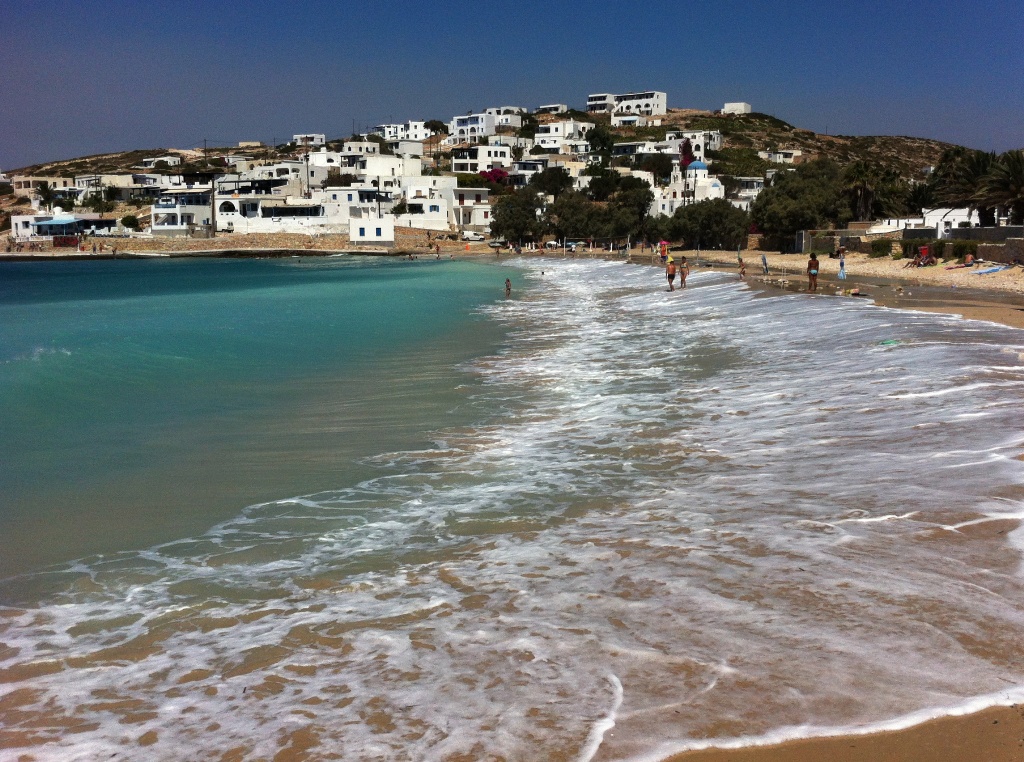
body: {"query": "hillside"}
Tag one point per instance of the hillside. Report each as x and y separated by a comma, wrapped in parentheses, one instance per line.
(743, 137)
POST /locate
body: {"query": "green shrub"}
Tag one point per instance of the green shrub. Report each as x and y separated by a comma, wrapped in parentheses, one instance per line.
(939, 249)
(130, 221)
(910, 246)
(962, 248)
(881, 247)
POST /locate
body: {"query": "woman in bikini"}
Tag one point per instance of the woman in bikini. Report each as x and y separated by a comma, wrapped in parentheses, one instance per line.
(812, 273)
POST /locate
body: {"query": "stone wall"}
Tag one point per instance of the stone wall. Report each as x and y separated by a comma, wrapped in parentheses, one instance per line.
(1010, 252)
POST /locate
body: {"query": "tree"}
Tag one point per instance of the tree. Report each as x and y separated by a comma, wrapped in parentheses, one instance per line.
(658, 164)
(436, 126)
(808, 198)
(552, 181)
(686, 157)
(46, 194)
(1004, 185)
(130, 221)
(601, 141)
(859, 180)
(400, 208)
(571, 216)
(710, 224)
(959, 177)
(517, 216)
(630, 207)
(382, 144)
(529, 127)
(603, 183)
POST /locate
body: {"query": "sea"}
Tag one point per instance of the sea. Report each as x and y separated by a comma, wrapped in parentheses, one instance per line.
(369, 508)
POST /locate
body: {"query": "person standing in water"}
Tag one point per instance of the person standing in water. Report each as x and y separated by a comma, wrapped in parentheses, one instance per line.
(670, 273)
(508, 288)
(684, 270)
(812, 273)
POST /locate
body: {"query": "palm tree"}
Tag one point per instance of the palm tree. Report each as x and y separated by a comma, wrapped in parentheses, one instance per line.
(46, 194)
(959, 178)
(860, 179)
(1004, 185)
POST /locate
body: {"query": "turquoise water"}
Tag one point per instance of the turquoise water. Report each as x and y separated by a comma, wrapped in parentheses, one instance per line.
(147, 400)
(375, 511)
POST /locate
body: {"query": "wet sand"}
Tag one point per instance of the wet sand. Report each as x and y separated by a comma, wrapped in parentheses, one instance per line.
(992, 735)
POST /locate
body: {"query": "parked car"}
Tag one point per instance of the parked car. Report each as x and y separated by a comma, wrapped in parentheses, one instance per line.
(472, 235)
(497, 243)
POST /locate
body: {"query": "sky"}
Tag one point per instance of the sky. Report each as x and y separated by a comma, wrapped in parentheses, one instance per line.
(82, 77)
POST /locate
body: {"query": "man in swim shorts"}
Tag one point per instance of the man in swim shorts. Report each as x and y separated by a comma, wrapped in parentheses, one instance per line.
(670, 273)
(812, 273)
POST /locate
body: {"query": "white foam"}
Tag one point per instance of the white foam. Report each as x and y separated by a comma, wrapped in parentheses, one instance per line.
(716, 498)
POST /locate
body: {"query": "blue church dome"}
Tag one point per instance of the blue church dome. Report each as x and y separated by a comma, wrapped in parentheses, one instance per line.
(697, 165)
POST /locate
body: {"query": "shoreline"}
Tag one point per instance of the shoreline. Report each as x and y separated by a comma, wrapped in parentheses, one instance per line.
(993, 734)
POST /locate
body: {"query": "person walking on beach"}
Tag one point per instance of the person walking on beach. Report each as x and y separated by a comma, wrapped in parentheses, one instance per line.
(670, 273)
(508, 288)
(812, 273)
(684, 270)
(743, 269)
(842, 263)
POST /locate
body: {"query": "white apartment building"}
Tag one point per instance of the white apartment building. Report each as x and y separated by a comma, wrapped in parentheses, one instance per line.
(470, 208)
(552, 108)
(471, 128)
(312, 139)
(406, 131)
(481, 158)
(648, 103)
(748, 189)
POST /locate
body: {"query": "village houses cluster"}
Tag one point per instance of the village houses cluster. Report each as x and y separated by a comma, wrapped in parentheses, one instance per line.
(366, 186)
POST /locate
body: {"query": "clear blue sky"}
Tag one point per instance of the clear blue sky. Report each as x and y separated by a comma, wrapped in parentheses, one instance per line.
(91, 76)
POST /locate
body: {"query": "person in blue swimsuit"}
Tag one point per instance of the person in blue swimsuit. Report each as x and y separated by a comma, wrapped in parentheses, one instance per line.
(812, 273)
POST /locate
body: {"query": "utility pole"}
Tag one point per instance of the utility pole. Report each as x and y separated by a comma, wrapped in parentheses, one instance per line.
(213, 206)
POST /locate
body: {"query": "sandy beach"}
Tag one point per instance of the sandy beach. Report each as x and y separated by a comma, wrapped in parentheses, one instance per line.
(993, 734)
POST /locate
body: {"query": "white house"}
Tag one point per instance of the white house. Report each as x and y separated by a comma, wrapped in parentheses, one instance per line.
(633, 120)
(171, 160)
(406, 131)
(313, 139)
(647, 103)
(507, 116)
(427, 207)
(480, 158)
(785, 156)
(736, 108)
(700, 140)
(942, 220)
(554, 135)
(380, 230)
(470, 208)
(26, 227)
(552, 108)
(748, 189)
(179, 211)
(471, 128)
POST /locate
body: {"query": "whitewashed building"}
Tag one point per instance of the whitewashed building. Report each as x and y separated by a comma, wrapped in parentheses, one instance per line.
(471, 128)
(311, 139)
(552, 108)
(370, 230)
(691, 187)
(405, 131)
(480, 158)
(181, 211)
(736, 108)
(647, 103)
(554, 135)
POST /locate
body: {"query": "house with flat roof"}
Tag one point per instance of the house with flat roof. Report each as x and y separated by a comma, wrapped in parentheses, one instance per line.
(406, 131)
(552, 108)
(471, 128)
(310, 139)
(736, 108)
(647, 103)
(480, 158)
